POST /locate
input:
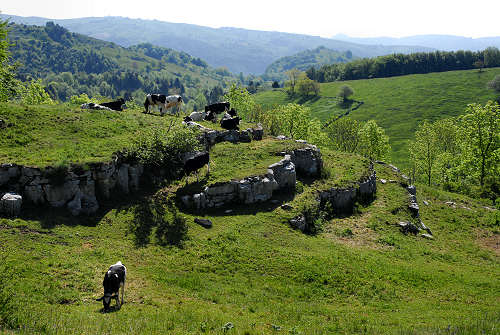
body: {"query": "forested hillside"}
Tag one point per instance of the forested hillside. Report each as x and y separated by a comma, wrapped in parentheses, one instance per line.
(240, 50)
(400, 65)
(71, 64)
(305, 60)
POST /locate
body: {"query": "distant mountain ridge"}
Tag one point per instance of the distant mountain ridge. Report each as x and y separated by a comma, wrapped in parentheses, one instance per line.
(439, 42)
(240, 50)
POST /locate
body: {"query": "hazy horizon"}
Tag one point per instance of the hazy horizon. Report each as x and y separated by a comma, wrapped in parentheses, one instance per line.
(388, 18)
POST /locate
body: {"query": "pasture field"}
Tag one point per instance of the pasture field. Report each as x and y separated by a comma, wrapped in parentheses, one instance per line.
(60, 134)
(398, 104)
(253, 274)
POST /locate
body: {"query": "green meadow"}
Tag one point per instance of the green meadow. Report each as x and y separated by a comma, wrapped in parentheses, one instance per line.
(398, 104)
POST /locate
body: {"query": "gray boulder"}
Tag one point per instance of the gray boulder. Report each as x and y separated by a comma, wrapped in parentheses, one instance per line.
(10, 204)
(284, 173)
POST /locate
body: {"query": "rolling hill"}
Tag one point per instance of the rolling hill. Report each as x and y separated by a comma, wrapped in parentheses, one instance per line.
(240, 50)
(71, 63)
(250, 273)
(398, 104)
(304, 60)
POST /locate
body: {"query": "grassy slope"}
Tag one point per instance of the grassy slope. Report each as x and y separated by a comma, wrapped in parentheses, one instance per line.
(398, 104)
(49, 135)
(251, 269)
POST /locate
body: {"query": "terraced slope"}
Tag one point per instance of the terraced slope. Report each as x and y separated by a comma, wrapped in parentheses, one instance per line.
(398, 104)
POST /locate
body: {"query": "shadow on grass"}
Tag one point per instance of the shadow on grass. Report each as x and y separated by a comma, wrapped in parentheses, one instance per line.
(308, 98)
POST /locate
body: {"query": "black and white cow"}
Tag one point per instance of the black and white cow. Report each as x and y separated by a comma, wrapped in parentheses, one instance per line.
(231, 123)
(218, 107)
(211, 116)
(114, 105)
(113, 280)
(163, 102)
(195, 161)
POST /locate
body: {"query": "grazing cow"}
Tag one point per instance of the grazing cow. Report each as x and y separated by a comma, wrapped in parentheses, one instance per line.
(230, 123)
(162, 102)
(211, 116)
(196, 161)
(114, 105)
(197, 116)
(232, 112)
(218, 107)
(187, 119)
(113, 280)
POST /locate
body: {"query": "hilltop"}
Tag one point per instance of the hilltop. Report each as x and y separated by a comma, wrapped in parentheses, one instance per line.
(240, 50)
(398, 104)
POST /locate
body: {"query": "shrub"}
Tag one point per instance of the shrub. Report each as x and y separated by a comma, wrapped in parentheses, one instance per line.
(33, 93)
(159, 148)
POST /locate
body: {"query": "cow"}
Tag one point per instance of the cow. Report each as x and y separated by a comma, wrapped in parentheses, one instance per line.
(114, 105)
(195, 161)
(218, 107)
(230, 123)
(197, 116)
(211, 116)
(163, 102)
(113, 280)
(230, 114)
(187, 119)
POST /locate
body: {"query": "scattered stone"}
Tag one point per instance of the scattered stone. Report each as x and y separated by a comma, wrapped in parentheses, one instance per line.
(465, 207)
(451, 204)
(281, 137)
(275, 201)
(91, 105)
(205, 223)
(424, 227)
(412, 190)
(10, 204)
(427, 236)
(489, 208)
(298, 222)
(408, 227)
(392, 181)
(286, 207)
(383, 181)
(426, 203)
(228, 211)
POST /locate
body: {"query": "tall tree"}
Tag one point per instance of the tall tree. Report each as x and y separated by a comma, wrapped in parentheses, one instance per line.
(345, 92)
(373, 142)
(8, 84)
(481, 138)
(424, 149)
(293, 77)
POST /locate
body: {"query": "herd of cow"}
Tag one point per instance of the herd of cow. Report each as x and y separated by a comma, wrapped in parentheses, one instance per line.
(230, 120)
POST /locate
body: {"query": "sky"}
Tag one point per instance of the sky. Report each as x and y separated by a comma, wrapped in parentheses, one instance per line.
(357, 18)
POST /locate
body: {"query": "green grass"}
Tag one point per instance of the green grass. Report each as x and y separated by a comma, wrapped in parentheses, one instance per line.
(58, 134)
(398, 104)
(360, 275)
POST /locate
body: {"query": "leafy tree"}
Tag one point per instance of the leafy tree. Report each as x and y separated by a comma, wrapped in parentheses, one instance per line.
(344, 134)
(345, 92)
(293, 77)
(479, 129)
(275, 84)
(424, 149)
(242, 101)
(34, 94)
(306, 86)
(8, 84)
(495, 84)
(373, 142)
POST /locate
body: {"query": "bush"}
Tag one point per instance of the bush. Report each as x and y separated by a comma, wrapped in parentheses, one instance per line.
(159, 148)
(81, 99)
(33, 93)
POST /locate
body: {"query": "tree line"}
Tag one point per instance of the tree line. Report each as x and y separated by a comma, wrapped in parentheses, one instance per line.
(404, 64)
